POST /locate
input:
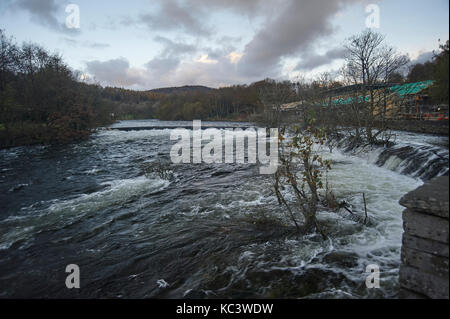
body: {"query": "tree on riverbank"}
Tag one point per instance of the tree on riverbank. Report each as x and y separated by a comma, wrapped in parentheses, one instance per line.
(41, 99)
(436, 69)
(370, 64)
(439, 90)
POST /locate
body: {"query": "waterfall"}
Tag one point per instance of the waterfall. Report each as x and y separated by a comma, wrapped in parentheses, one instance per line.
(416, 155)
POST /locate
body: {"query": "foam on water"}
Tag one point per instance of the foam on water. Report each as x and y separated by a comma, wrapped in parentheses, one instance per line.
(60, 213)
(214, 230)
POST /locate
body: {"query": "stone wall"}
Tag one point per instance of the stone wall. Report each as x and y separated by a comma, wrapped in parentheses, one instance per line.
(428, 127)
(425, 264)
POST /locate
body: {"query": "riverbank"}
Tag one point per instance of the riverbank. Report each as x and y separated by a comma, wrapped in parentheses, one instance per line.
(41, 133)
(425, 127)
(415, 126)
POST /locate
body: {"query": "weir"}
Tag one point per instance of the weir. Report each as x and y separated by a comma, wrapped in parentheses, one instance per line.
(166, 127)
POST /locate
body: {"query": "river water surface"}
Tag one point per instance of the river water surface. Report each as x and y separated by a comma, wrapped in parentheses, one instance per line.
(212, 231)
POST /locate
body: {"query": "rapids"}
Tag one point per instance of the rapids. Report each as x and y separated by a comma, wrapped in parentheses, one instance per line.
(214, 230)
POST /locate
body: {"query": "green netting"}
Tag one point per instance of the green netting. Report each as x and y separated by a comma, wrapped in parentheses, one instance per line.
(401, 89)
(411, 88)
(348, 100)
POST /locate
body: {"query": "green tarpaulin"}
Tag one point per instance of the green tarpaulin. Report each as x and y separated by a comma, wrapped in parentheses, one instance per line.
(401, 89)
(411, 88)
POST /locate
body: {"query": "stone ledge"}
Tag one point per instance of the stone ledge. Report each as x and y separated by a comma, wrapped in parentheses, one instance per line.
(426, 245)
(422, 283)
(430, 198)
(431, 264)
(425, 226)
(408, 294)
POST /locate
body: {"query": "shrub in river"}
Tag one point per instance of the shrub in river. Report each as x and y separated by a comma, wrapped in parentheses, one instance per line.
(301, 169)
(160, 169)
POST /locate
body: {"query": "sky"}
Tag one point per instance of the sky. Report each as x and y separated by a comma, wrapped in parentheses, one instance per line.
(146, 44)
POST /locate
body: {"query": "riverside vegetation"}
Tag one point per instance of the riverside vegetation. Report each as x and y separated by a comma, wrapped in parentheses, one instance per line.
(43, 101)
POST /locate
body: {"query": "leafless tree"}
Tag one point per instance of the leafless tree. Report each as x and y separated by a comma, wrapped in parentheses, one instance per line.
(273, 95)
(369, 65)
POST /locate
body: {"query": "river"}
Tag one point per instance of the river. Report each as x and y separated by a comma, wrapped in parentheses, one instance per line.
(212, 231)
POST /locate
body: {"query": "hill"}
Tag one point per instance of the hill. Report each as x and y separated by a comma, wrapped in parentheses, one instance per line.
(182, 89)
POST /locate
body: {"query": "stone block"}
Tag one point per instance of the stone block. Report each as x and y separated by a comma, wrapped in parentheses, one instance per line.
(423, 283)
(426, 245)
(432, 264)
(425, 226)
(430, 198)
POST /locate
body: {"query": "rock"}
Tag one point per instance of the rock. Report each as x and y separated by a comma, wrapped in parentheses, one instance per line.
(423, 283)
(428, 263)
(424, 271)
(426, 245)
(342, 259)
(425, 226)
(431, 198)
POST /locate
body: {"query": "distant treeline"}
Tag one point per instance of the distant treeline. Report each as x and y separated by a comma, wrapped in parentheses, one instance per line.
(43, 101)
(232, 103)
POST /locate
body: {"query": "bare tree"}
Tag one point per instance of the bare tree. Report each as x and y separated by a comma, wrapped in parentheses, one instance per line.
(273, 95)
(370, 63)
(8, 58)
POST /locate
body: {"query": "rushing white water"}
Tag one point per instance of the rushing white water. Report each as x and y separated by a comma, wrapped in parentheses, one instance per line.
(215, 230)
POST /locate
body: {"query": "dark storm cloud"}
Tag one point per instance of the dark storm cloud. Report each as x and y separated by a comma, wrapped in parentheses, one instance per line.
(293, 31)
(289, 28)
(285, 29)
(46, 13)
(115, 72)
(173, 15)
(311, 60)
(239, 6)
(191, 16)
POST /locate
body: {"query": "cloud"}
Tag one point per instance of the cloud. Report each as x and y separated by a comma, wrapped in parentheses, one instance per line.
(159, 67)
(86, 44)
(164, 72)
(96, 45)
(45, 12)
(173, 15)
(311, 60)
(116, 72)
(299, 24)
(423, 57)
(246, 7)
(206, 59)
(172, 48)
(234, 57)
(162, 65)
(221, 73)
(191, 16)
(292, 31)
